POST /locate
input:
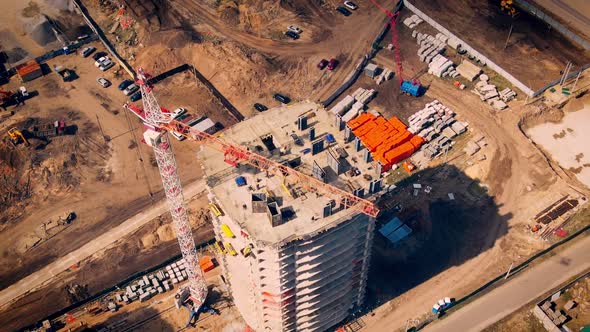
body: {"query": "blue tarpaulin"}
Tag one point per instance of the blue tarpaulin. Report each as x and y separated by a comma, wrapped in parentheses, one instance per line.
(241, 181)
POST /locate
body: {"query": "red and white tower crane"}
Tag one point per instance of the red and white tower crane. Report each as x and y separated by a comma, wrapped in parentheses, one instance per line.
(154, 119)
(412, 87)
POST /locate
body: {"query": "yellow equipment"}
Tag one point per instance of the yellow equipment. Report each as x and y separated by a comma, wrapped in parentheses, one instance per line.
(215, 209)
(227, 231)
(16, 137)
(230, 249)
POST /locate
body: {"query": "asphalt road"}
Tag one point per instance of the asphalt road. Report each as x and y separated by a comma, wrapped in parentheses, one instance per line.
(45, 274)
(522, 289)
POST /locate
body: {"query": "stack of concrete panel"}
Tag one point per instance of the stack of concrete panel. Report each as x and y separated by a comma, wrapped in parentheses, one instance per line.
(489, 93)
(435, 123)
(442, 37)
(356, 109)
(440, 66)
(340, 108)
(412, 21)
(507, 95)
(371, 70)
(468, 70)
(367, 96)
(429, 47)
(454, 43)
(386, 75)
(144, 297)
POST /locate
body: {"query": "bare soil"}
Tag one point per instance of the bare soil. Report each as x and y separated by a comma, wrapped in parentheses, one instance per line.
(535, 54)
(151, 244)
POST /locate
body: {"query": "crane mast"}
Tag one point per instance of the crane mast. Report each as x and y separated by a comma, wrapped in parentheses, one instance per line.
(154, 118)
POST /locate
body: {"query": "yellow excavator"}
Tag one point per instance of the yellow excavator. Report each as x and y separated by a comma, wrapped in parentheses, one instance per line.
(16, 137)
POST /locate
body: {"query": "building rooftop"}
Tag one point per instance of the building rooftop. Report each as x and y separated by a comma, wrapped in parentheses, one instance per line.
(273, 209)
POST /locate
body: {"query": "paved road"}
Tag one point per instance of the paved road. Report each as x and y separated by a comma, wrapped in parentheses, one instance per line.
(45, 274)
(524, 288)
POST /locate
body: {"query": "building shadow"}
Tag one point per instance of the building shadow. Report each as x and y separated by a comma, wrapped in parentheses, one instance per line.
(447, 231)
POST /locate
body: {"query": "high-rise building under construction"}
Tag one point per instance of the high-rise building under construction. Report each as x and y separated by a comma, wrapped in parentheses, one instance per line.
(294, 259)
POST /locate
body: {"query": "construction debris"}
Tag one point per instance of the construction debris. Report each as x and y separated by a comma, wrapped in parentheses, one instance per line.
(489, 93)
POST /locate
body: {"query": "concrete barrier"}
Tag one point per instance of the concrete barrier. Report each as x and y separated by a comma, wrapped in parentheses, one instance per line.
(569, 34)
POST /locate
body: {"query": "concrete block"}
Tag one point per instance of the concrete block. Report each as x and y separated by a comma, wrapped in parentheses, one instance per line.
(144, 297)
(459, 128)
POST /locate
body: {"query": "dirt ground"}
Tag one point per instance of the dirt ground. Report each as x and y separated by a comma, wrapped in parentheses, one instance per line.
(535, 55)
(160, 314)
(459, 246)
(456, 246)
(152, 244)
(251, 61)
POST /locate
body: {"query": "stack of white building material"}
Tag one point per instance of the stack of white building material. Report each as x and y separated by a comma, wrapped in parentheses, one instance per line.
(435, 123)
(385, 75)
(366, 96)
(507, 95)
(468, 70)
(442, 67)
(489, 93)
(413, 21)
(429, 46)
(343, 106)
(354, 111)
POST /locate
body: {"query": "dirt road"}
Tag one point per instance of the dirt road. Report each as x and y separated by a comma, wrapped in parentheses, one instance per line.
(37, 279)
(348, 40)
(520, 290)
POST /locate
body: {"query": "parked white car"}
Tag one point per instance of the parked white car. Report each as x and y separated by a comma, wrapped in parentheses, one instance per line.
(103, 82)
(178, 112)
(295, 29)
(101, 60)
(351, 5)
(106, 65)
(130, 89)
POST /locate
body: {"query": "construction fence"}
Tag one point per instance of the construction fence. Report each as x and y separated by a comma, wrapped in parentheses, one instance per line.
(569, 34)
(528, 91)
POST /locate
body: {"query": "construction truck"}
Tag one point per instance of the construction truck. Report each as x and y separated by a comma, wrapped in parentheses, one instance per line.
(413, 88)
(16, 137)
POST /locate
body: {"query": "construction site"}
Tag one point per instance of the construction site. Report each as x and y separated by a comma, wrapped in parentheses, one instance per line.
(281, 166)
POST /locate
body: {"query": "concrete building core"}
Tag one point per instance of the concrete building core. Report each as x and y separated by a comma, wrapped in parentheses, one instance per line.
(293, 260)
